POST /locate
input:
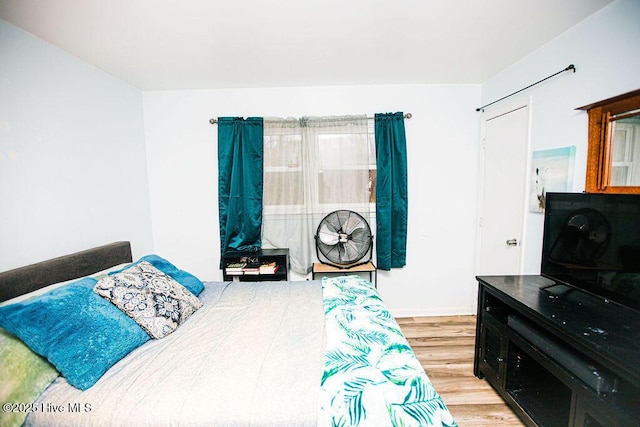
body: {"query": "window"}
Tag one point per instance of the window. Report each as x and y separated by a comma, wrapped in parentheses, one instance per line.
(283, 178)
(321, 169)
(314, 166)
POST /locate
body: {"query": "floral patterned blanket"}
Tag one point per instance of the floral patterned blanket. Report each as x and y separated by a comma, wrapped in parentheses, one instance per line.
(371, 375)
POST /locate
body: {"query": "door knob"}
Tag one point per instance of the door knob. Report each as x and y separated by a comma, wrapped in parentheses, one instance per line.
(512, 242)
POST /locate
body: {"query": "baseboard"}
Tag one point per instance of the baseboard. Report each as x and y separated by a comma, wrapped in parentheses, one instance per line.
(434, 311)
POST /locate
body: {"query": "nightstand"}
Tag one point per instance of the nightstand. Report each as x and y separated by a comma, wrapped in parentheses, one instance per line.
(245, 266)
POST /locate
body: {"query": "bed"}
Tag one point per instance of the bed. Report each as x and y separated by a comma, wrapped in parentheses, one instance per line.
(79, 345)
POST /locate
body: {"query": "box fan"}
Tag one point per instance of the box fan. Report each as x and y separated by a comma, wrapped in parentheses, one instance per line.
(344, 239)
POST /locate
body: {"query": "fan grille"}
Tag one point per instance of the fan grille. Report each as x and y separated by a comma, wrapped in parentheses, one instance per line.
(343, 238)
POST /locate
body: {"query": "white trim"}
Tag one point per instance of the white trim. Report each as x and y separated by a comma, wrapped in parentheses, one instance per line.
(440, 311)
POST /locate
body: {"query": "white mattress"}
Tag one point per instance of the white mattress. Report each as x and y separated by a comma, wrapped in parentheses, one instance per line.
(252, 355)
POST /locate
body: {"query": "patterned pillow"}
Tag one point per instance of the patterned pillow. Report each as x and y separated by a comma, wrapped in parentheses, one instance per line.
(152, 298)
(186, 279)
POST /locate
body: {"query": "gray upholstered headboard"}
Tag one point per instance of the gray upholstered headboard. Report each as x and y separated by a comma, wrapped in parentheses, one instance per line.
(26, 279)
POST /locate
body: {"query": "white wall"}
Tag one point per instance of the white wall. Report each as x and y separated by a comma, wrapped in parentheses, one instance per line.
(442, 150)
(605, 48)
(72, 157)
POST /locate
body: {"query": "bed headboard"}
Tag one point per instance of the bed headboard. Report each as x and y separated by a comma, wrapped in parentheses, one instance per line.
(29, 278)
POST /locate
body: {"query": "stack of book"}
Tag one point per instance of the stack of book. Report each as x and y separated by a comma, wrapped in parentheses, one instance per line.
(235, 268)
(252, 268)
(268, 267)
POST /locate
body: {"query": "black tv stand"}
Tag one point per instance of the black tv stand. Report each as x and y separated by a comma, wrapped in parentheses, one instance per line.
(557, 355)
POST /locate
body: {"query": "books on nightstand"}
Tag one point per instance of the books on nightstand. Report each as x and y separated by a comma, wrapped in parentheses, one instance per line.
(251, 268)
(268, 268)
(235, 268)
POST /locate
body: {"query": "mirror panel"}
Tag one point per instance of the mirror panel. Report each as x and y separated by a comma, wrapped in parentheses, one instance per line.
(625, 151)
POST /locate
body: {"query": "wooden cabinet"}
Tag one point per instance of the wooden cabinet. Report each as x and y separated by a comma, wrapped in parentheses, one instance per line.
(557, 355)
(253, 260)
(493, 352)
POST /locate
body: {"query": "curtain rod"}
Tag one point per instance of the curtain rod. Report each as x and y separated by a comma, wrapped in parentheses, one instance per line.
(569, 68)
(406, 116)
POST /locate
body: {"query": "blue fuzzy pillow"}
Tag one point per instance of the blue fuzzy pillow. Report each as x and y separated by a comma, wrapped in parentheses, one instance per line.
(79, 332)
(186, 279)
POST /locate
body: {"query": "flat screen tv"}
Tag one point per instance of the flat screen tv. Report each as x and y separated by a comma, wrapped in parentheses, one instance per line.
(592, 242)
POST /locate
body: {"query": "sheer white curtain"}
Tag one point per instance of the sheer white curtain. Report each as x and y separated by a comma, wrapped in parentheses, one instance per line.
(314, 166)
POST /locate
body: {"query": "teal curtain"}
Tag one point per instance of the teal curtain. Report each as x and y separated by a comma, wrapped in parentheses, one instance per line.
(240, 155)
(391, 191)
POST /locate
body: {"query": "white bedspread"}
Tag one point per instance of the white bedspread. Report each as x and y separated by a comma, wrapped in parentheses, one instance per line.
(253, 355)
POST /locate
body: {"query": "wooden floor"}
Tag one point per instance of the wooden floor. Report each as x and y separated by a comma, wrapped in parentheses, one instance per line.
(445, 347)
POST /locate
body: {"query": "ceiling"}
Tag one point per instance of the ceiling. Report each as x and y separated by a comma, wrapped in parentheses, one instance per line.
(211, 44)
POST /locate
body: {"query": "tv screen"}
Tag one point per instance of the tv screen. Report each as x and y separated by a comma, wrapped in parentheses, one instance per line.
(592, 242)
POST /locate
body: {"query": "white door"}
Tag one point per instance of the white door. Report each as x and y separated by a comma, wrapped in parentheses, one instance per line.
(505, 144)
